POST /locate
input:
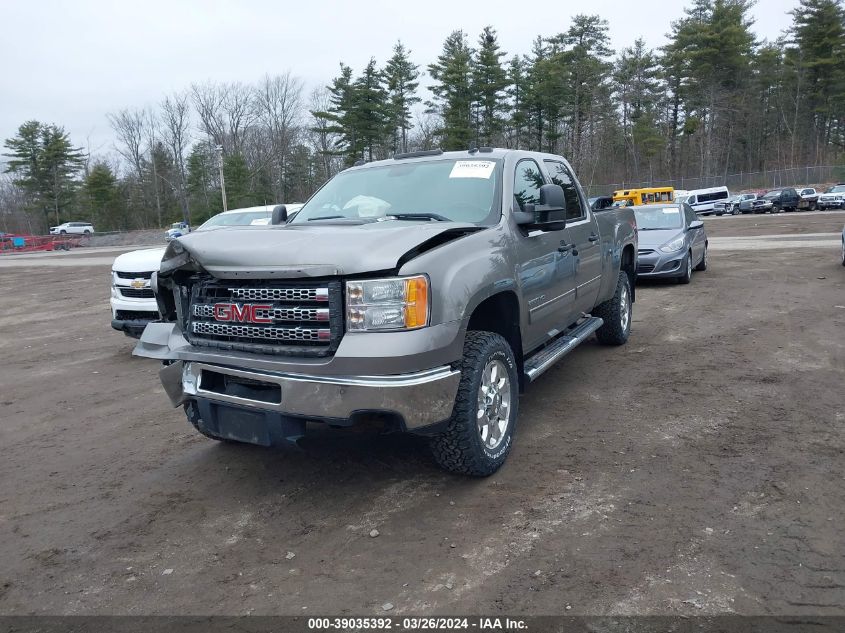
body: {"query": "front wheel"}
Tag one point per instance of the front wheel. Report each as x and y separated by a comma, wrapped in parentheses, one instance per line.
(702, 265)
(843, 252)
(480, 432)
(687, 276)
(616, 314)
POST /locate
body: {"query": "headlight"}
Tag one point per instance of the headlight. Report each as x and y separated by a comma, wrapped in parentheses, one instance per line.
(397, 303)
(675, 245)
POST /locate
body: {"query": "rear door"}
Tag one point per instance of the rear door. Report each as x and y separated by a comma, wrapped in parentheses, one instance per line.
(581, 231)
(547, 264)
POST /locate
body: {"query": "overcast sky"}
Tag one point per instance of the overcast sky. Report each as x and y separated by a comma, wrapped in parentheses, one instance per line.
(70, 63)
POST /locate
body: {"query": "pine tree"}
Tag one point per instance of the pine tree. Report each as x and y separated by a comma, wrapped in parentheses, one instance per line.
(339, 118)
(489, 82)
(103, 197)
(452, 91)
(402, 77)
(518, 87)
(370, 112)
(818, 33)
(45, 164)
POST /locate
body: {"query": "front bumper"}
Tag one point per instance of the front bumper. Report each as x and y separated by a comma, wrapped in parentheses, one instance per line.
(830, 204)
(416, 401)
(131, 316)
(656, 264)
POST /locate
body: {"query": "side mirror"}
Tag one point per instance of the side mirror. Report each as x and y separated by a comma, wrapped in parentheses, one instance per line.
(280, 214)
(551, 196)
(695, 224)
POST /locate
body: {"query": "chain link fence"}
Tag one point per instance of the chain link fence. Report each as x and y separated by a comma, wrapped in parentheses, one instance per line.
(810, 176)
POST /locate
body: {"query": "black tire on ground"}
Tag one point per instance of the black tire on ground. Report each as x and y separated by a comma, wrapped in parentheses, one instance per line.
(616, 327)
(843, 252)
(460, 448)
(702, 265)
(87, 232)
(687, 264)
(62, 232)
(775, 209)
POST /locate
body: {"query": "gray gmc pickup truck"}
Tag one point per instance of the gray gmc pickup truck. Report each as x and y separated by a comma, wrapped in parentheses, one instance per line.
(425, 292)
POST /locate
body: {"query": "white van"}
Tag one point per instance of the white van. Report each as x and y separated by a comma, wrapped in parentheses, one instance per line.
(703, 200)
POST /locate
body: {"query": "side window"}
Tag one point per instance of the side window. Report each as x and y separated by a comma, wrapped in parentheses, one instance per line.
(690, 213)
(526, 183)
(560, 176)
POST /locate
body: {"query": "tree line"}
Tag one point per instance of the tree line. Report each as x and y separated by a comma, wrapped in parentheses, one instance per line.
(714, 100)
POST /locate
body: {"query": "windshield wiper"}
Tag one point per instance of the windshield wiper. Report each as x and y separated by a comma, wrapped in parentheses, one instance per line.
(327, 217)
(418, 216)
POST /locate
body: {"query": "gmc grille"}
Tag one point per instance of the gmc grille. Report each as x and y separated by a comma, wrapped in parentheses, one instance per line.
(291, 318)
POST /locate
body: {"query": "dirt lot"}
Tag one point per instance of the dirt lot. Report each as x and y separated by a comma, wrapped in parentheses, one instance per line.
(697, 470)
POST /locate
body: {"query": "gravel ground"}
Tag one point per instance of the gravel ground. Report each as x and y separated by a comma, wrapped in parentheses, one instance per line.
(697, 470)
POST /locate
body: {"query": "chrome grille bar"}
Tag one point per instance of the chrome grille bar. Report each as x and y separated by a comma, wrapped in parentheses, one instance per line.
(206, 311)
(280, 294)
(264, 333)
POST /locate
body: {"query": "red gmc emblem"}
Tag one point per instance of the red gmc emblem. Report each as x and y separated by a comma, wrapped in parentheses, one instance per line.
(247, 313)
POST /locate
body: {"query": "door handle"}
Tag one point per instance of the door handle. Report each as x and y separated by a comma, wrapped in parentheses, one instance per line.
(593, 237)
(566, 248)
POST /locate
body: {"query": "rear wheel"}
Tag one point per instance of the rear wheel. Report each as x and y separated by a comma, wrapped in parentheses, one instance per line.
(843, 252)
(687, 264)
(479, 434)
(616, 314)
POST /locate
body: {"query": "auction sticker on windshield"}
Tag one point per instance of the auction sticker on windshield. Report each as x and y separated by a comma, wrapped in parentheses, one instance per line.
(472, 169)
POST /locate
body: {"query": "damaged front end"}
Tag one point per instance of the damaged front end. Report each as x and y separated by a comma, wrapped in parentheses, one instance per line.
(252, 358)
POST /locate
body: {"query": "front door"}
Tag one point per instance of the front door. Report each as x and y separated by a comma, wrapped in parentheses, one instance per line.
(582, 231)
(547, 265)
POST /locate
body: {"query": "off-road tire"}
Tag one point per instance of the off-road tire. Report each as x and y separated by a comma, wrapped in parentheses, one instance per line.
(459, 449)
(612, 331)
(687, 276)
(702, 265)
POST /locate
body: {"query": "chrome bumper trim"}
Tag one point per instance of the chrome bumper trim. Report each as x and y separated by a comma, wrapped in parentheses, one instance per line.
(421, 399)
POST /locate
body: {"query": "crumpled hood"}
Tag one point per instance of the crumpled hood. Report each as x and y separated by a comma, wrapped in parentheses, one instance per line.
(654, 239)
(311, 250)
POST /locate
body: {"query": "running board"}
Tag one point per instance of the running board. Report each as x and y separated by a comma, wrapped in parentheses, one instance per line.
(537, 364)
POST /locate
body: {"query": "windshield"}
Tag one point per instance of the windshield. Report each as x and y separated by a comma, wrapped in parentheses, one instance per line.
(837, 189)
(772, 194)
(658, 218)
(455, 190)
(235, 218)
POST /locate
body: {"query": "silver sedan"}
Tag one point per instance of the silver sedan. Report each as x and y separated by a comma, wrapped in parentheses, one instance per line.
(672, 241)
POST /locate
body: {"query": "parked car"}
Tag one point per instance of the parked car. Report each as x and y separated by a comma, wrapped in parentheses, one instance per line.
(704, 200)
(599, 203)
(421, 291)
(731, 206)
(78, 228)
(778, 200)
(177, 229)
(809, 198)
(833, 198)
(672, 242)
(133, 302)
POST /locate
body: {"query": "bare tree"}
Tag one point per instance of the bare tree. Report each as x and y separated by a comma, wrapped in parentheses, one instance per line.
(130, 127)
(278, 102)
(226, 112)
(175, 123)
(321, 138)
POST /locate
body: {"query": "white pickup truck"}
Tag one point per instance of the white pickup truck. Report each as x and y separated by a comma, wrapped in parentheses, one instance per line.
(133, 303)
